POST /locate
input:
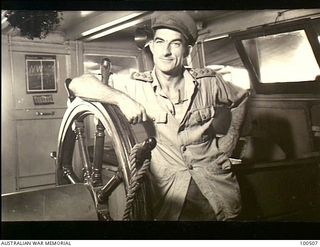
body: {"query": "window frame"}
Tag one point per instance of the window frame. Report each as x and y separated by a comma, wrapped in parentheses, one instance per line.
(107, 55)
(297, 87)
(204, 60)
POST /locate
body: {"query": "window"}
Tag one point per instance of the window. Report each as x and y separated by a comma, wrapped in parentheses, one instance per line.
(41, 74)
(119, 64)
(222, 56)
(284, 57)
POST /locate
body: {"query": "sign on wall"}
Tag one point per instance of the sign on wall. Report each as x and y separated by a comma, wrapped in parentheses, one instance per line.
(41, 74)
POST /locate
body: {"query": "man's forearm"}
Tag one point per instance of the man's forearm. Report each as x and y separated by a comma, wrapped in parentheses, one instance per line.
(228, 142)
(89, 87)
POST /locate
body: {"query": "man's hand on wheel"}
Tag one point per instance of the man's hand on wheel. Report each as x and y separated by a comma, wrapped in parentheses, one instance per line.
(134, 112)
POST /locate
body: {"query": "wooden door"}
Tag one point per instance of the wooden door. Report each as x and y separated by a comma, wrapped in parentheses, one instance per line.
(37, 118)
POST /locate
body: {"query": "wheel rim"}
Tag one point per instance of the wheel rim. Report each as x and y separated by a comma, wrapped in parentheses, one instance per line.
(73, 138)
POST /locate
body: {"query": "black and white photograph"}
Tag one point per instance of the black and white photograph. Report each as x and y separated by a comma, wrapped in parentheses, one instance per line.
(177, 119)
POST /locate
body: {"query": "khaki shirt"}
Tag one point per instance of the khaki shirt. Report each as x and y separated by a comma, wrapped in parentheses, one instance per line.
(187, 140)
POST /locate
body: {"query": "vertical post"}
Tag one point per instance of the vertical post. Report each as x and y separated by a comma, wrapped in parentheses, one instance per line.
(105, 67)
(84, 155)
(98, 155)
(66, 173)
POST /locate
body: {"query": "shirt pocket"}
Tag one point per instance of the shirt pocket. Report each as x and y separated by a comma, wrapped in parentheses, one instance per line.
(161, 124)
(199, 125)
(201, 116)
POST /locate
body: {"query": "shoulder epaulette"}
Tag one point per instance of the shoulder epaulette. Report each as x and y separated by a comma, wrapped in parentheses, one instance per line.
(200, 73)
(142, 76)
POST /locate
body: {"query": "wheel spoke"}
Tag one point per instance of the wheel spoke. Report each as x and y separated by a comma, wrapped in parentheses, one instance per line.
(98, 155)
(69, 174)
(105, 167)
(66, 170)
(109, 187)
(83, 151)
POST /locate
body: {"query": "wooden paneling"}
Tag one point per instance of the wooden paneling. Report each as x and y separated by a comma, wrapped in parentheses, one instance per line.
(35, 127)
(8, 135)
(36, 139)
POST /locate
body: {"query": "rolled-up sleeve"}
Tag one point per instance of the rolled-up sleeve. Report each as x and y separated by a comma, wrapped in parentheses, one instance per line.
(235, 98)
(119, 82)
(229, 94)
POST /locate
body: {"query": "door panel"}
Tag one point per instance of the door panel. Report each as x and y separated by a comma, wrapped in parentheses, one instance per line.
(37, 138)
(37, 118)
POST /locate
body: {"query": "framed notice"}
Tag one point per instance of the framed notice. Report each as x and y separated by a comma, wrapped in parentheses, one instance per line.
(41, 74)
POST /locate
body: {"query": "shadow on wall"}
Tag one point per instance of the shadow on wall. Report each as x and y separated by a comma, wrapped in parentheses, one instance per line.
(265, 138)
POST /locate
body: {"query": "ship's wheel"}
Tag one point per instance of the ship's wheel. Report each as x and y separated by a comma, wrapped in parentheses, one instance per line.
(94, 144)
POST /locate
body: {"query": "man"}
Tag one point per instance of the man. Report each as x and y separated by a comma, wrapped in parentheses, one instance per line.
(190, 170)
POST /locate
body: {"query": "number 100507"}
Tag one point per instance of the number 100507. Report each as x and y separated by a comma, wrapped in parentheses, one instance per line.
(310, 243)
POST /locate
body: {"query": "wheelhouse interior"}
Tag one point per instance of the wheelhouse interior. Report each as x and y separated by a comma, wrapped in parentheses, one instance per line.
(275, 54)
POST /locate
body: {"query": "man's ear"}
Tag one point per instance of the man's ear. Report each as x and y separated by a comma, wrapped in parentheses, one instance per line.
(151, 46)
(188, 50)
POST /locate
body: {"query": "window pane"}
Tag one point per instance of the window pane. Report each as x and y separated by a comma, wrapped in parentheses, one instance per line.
(119, 64)
(285, 57)
(222, 56)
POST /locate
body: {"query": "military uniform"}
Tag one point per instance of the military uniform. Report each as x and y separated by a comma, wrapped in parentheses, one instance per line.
(188, 146)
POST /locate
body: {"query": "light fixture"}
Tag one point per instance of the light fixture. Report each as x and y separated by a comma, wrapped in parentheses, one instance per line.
(111, 23)
(85, 13)
(115, 29)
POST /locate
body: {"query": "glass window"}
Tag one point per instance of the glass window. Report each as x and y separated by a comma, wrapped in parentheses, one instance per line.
(222, 56)
(119, 64)
(285, 57)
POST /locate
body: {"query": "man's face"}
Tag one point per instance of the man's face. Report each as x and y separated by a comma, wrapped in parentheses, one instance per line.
(169, 50)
